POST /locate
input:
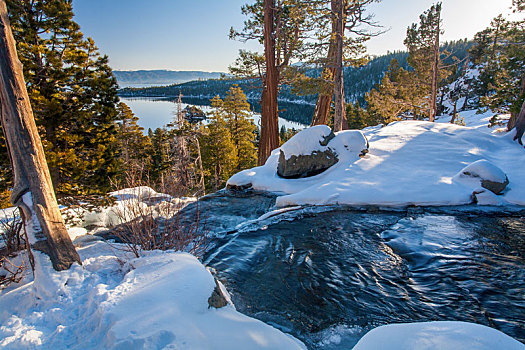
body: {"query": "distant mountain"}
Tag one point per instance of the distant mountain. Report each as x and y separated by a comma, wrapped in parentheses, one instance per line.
(160, 77)
(357, 80)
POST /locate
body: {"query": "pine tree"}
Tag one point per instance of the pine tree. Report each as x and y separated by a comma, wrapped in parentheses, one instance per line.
(399, 94)
(279, 26)
(135, 148)
(160, 160)
(235, 110)
(219, 156)
(423, 46)
(73, 94)
(500, 52)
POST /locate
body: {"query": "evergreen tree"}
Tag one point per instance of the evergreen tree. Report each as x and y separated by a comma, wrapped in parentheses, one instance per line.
(424, 57)
(398, 94)
(73, 94)
(279, 26)
(160, 159)
(235, 110)
(135, 148)
(500, 53)
(219, 155)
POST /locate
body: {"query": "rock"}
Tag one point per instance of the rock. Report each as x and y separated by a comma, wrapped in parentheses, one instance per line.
(305, 165)
(493, 186)
(219, 297)
(484, 173)
(313, 150)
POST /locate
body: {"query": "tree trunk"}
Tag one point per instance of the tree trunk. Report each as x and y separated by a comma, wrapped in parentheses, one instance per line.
(520, 124)
(514, 116)
(435, 73)
(338, 11)
(33, 191)
(454, 112)
(269, 123)
(322, 107)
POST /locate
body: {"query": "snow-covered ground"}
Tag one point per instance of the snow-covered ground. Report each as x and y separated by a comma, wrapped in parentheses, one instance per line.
(116, 301)
(409, 163)
(444, 335)
(160, 300)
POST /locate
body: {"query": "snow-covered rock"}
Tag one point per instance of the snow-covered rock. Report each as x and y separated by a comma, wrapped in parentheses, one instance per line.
(442, 335)
(307, 153)
(485, 174)
(409, 163)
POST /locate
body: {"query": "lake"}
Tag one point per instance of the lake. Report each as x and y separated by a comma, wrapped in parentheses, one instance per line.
(157, 112)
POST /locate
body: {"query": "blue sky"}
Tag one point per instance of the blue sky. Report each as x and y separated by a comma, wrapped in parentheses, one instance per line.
(193, 34)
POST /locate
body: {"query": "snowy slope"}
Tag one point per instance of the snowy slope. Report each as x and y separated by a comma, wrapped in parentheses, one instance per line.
(114, 301)
(409, 163)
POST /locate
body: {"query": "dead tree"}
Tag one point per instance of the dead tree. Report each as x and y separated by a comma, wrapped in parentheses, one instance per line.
(33, 191)
(520, 124)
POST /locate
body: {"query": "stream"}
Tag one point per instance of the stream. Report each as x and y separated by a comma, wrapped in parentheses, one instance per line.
(327, 275)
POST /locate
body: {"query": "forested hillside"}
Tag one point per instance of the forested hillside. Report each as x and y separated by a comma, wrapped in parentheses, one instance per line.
(161, 77)
(357, 80)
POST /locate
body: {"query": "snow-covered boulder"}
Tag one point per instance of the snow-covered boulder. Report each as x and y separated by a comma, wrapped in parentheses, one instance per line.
(316, 149)
(484, 173)
(437, 336)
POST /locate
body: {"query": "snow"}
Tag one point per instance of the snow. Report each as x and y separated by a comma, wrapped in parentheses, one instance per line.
(306, 142)
(114, 301)
(441, 335)
(482, 169)
(409, 163)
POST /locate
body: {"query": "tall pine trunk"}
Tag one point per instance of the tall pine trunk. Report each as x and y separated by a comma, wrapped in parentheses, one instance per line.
(33, 190)
(338, 11)
(269, 123)
(322, 107)
(435, 73)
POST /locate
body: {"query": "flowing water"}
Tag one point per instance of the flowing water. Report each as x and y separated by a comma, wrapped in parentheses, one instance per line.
(328, 275)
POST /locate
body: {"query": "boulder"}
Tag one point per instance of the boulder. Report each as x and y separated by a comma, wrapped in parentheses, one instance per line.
(485, 174)
(219, 297)
(313, 150)
(305, 165)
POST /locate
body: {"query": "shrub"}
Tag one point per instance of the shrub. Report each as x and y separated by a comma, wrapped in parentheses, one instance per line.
(151, 220)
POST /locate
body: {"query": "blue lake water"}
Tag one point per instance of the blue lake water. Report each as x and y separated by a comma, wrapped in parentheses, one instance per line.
(157, 112)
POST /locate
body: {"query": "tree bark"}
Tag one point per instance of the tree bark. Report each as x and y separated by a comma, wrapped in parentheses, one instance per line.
(33, 190)
(514, 116)
(454, 112)
(435, 73)
(338, 11)
(269, 119)
(322, 107)
(520, 124)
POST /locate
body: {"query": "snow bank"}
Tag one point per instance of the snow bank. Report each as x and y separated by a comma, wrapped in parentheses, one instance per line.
(115, 302)
(409, 163)
(437, 336)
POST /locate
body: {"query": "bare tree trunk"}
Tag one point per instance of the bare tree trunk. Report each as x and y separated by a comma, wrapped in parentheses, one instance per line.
(33, 190)
(514, 116)
(269, 123)
(520, 124)
(454, 112)
(435, 74)
(338, 11)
